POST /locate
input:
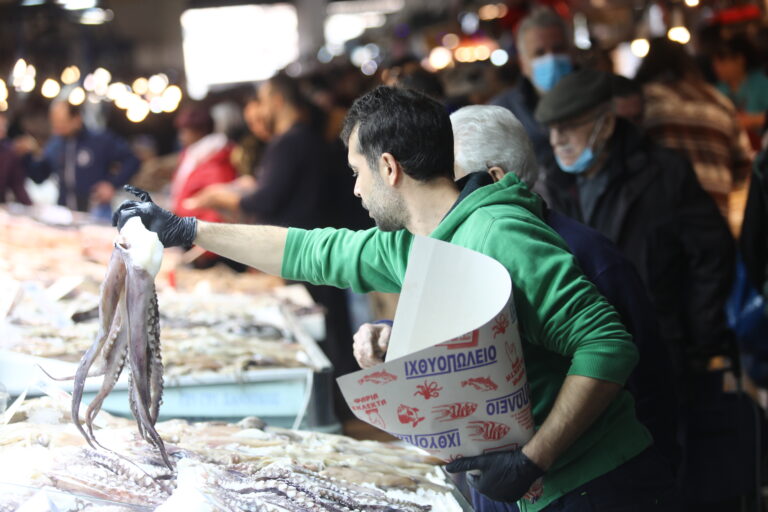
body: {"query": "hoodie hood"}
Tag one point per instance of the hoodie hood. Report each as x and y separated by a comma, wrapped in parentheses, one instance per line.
(508, 191)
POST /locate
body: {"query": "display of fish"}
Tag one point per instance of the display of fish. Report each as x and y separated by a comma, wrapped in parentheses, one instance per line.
(366, 474)
(128, 329)
(279, 486)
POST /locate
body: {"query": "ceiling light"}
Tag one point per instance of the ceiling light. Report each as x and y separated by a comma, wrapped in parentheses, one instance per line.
(70, 75)
(499, 57)
(78, 5)
(77, 96)
(640, 47)
(679, 34)
(50, 88)
(96, 16)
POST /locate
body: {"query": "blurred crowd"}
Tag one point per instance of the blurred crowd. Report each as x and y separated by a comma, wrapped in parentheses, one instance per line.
(670, 166)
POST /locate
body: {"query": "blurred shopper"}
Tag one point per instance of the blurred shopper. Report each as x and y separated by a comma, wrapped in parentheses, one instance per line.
(291, 186)
(685, 113)
(545, 56)
(297, 187)
(89, 165)
(204, 161)
(250, 147)
(744, 82)
(11, 171)
(647, 201)
(589, 448)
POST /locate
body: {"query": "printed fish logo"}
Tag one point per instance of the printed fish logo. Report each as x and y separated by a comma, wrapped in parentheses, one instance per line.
(480, 384)
(380, 377)
(454, 411)
(487, 430)
(408, 414)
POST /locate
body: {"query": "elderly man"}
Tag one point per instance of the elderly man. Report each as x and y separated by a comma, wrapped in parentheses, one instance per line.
(648, 202)
(578, 355)
(544, 54)
(90, 165)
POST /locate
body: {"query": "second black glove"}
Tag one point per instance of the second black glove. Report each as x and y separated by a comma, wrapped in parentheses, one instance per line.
(504, 476)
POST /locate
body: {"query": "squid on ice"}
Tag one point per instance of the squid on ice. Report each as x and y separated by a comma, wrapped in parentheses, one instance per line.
(129, 329)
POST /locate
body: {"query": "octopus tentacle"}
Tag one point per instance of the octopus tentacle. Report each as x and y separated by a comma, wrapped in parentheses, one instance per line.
(111, 291)
(155, 359)
(138, 299)
(114, 363)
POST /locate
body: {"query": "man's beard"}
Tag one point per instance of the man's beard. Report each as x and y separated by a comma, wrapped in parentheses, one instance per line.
(386, 207)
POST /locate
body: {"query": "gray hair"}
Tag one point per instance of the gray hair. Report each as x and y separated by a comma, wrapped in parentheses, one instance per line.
(540, 17)
(486, 135)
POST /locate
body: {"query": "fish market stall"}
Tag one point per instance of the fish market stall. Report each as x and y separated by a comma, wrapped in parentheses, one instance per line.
(217, 466)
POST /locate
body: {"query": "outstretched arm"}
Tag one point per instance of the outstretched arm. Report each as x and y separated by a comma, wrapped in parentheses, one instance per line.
(261, 247)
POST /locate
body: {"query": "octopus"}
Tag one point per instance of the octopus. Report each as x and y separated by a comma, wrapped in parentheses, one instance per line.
(110, 476)
(129, 329)
(278, 486)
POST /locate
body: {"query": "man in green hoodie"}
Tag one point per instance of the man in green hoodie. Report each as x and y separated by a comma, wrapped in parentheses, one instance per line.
(577, 353)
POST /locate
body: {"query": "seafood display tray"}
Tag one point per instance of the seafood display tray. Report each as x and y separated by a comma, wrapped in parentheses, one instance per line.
(286, 397)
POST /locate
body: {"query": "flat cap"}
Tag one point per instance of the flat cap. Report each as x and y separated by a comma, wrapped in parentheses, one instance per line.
(575, 94)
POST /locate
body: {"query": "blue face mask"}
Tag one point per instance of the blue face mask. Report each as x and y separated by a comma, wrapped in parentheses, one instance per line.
(579, 165)
(587, 156)
(549, 69)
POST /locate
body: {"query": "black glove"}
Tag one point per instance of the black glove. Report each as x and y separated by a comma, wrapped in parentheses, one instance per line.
(171, 229)
(504, 476)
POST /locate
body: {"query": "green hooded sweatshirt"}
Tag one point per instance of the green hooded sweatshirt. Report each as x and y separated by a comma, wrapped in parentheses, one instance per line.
(567, 327)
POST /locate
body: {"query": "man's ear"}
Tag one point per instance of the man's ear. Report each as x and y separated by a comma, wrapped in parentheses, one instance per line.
(496, 173)
(390, 169)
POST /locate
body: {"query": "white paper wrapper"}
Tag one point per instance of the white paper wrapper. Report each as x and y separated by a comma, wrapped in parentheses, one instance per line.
(454, 382)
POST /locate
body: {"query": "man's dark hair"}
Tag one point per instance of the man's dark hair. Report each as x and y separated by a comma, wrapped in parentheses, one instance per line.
(409, 125)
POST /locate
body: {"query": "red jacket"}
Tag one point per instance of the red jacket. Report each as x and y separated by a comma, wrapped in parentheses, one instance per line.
(215, 169)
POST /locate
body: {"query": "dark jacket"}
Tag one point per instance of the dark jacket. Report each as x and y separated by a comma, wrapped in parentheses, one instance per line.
(521, 100)
(96, 156)
(657, 214)
(652, 383)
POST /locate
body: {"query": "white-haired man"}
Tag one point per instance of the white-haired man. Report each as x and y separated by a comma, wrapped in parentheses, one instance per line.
(489, 142)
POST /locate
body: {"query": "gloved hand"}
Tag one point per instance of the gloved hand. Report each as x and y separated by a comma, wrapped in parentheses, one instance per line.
(504, 476)
(171, 229)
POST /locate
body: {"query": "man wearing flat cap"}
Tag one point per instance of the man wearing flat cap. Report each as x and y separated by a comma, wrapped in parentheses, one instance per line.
(647, 200)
